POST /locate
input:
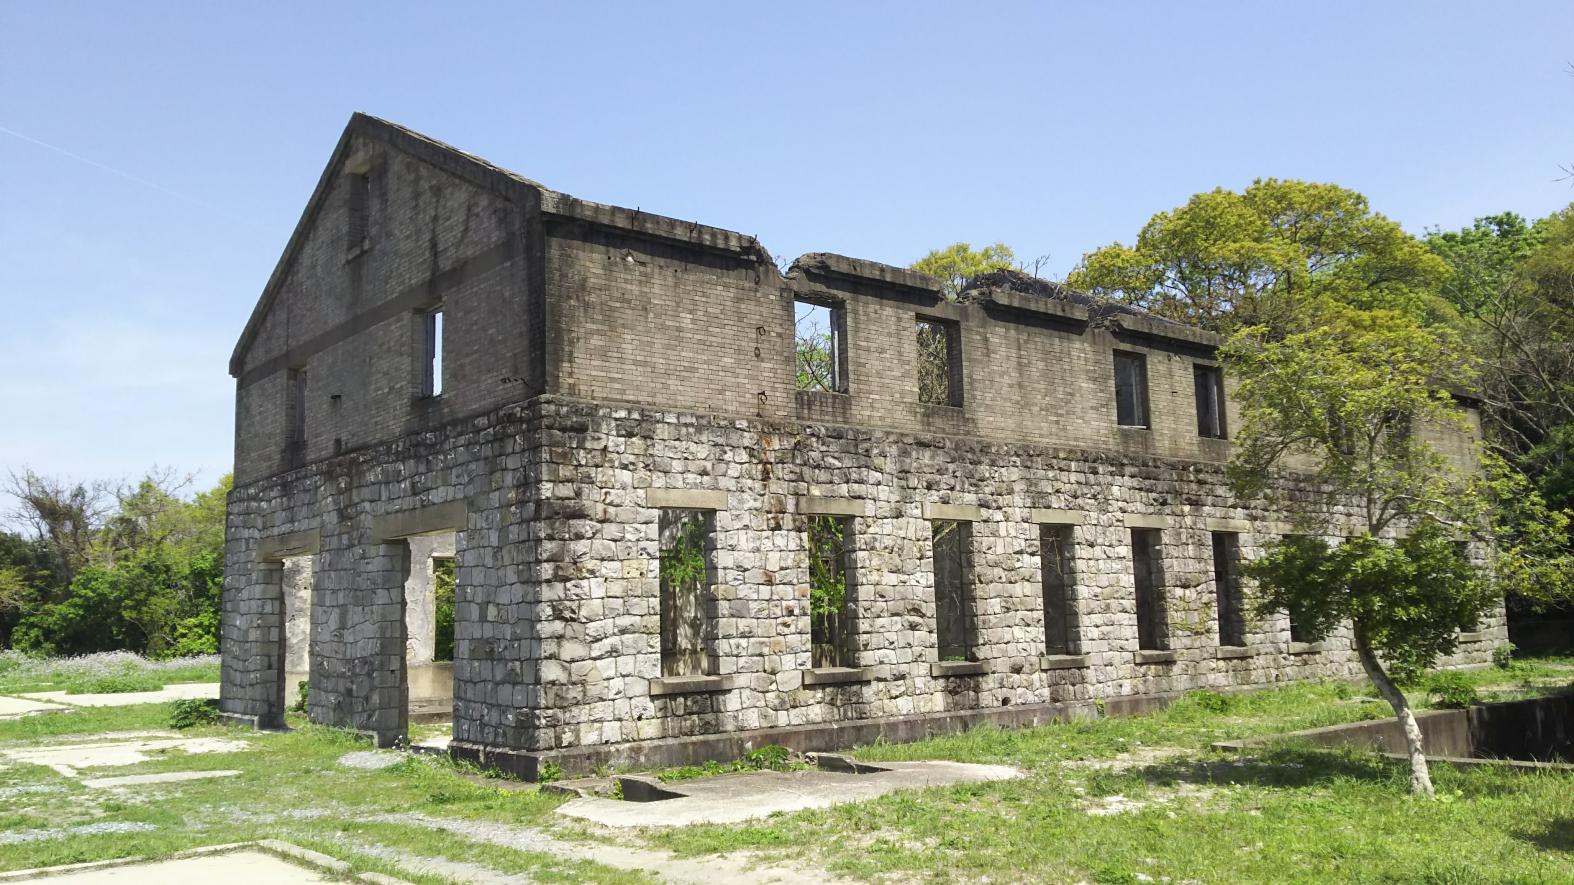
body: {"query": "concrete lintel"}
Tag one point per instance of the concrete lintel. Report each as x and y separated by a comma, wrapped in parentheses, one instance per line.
(958, 668)
(446, 517)
(822, 505)
(1155, 657)
(837, 675)
(1228, 525)
(1305, 648)
(1475, 636)
(1062, 662)
(280, 547)
(959, 512)
(669, 685)
(1146, 521)
(686, 499)
(1231, 652)
(1059, 517)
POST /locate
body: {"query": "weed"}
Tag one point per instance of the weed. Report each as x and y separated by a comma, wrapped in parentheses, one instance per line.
(191, 712)
(119, 683)
(550, 771)
(300, 697)
(1451, 690)
(1503, 656)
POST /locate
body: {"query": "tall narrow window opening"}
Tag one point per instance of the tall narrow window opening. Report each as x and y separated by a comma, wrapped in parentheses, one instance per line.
(432, 361)
(830, 604)
(295, 416)
(1208, 381)
(687, 573)
(1131, 389)
(939, 362)
(358, 211)
(1148, 568)
(1227, 589)
(820, 345)
(953, 590)
(1055, 553)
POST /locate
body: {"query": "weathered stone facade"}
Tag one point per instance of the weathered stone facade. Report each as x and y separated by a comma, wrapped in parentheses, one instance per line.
(600, 365)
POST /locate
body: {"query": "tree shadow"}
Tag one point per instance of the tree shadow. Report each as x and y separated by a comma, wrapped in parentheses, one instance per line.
(1283, 767)
(1556, 835)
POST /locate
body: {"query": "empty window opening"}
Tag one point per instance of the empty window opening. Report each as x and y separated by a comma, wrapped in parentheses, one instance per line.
(1227, 589)
(430, 591)
(687, 570)
(1208, 382)
(432, 353)
(295, 417)
(953, 588)
(443, 608)
(819, 342)
(1131, 389)
(939, 362)
(830, 604)
(1055, 553)
(358, 211)
(1147, 556)
(1299, 631)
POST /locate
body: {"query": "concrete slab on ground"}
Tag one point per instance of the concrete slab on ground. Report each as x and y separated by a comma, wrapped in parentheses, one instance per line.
(174, 692)
(67, 758)
(13, 707)
(166, 777)
(732, 798)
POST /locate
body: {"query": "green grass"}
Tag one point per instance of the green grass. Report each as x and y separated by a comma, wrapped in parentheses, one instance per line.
(106, 673)
(121, 683)
(1285, 814)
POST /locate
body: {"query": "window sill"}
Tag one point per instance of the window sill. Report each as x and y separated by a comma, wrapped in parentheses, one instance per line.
(1062, 662)
(1155, 657)
(1232, 652)
(1134, 427)
(1475, 636)
(837, 675)
(958, 668)
(670, 685)
(1305, 648)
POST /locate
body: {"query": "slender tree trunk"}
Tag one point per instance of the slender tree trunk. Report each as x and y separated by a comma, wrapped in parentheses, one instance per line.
(1420, 776)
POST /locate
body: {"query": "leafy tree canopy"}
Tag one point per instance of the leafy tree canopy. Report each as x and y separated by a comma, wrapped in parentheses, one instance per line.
(960, 262)
(1261, 256)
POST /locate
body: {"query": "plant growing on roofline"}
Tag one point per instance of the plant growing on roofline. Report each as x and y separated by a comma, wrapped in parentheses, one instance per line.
(1345, 403)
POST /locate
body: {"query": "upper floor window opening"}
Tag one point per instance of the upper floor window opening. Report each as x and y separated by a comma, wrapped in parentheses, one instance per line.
(1208, 382)
(1131, 389)
(939, 361)
(820, 345)
(432, 352)
(358, 210)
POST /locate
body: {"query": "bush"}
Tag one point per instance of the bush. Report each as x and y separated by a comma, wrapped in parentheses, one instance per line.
(189, 712)
(1210, 701)
(1451, 690)
(300, 697)
(1503, 656)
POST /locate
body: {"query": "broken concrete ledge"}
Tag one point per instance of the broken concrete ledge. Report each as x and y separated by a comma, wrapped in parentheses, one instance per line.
(283, 850)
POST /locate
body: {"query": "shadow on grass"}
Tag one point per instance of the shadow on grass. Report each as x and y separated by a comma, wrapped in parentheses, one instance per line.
(1557, 835)
(1285, 767)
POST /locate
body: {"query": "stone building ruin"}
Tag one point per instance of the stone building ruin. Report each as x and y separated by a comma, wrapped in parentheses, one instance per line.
(596, 414)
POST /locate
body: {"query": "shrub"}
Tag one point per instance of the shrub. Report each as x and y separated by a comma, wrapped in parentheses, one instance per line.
(300, 697)
(1503, 656)
(771, 756)
(1451, 690)
(550, 771)
(189, 712)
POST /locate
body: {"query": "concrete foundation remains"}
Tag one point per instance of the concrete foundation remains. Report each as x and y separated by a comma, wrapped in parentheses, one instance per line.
(680, 527)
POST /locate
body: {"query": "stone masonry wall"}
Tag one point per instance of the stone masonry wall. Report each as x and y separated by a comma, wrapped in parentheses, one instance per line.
(599, 579)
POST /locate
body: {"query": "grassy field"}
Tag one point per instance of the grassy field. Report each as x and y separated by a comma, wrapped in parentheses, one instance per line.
(1118, 800)
(108, 672)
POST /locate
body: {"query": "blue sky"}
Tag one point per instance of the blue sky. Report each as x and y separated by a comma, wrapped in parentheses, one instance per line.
(184, 139)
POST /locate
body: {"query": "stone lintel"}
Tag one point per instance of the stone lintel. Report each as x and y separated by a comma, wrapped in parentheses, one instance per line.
(1228, 525)
(1475, 636)
(686, 499)
(1304, 648)
(448, 516)
(1062, 662)
(824, 505)
(1051, 516)
(280, 547)
(668, 685)
(1229, 652)
(958, 512)
(1278, 528)
(837, 675)
(1155, 657)
(958, 668)
(1146, 521)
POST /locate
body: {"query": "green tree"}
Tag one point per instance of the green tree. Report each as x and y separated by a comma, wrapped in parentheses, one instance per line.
(1262, 256)
(1345, 403)
(954, 265)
